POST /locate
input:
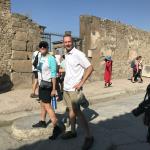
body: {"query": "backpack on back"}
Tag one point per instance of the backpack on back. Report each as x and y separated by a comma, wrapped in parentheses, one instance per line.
(132, 63)
(35, 62)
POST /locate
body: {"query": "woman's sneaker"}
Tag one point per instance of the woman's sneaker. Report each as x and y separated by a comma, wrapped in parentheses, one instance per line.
(109, 84)
(69, 135)
(32, 95)
(40, 124)
(105, 86)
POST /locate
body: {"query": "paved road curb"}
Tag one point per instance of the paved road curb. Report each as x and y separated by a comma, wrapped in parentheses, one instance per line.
(106, 97)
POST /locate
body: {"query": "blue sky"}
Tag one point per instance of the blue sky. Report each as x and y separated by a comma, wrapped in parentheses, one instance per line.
(61, 15)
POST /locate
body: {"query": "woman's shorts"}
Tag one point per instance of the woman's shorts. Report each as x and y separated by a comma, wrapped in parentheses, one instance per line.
(35, 73)
(45, 94)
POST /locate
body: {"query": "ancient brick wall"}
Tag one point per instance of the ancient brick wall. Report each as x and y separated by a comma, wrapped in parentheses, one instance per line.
(19, 37)
(26, 37)
(5, 40)
(121, 41)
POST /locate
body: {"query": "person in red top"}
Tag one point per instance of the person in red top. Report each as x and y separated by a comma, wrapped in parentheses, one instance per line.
(108, 71)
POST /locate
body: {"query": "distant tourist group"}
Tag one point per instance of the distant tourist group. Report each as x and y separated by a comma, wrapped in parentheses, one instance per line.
(136, 66)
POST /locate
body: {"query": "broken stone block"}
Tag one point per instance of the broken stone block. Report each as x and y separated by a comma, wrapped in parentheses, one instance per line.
(19, 55)
(29, 55)
(19, 45)
(21, 36)
(35, 47)
(23, 66)
(24, 79)
(29, 46)
(146, 71)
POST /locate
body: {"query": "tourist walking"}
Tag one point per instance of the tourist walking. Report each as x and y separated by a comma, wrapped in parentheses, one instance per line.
(138, 76)
(47, 90)
(108, 71)
(35, 58)
(58, 83)
(77, 69)
(134, 66)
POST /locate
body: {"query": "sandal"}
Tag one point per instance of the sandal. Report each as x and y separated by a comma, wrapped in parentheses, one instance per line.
(34, 95)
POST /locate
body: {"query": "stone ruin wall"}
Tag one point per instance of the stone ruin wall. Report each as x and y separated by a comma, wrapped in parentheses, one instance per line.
(5, 40)
(122, 42)
(26, 37)
(18, 39)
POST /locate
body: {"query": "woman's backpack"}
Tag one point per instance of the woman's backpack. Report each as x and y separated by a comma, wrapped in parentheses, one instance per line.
(132, 63)
(35, 62)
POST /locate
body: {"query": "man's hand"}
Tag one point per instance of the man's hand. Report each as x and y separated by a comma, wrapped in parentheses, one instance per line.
(87, 73)
(53, 93)
(79, 85)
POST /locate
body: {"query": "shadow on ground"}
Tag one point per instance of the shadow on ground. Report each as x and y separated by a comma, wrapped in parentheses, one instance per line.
(5, 84)
(124, 132)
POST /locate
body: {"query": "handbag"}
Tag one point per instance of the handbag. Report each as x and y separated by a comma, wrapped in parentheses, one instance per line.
(45, 84)
(82, 100)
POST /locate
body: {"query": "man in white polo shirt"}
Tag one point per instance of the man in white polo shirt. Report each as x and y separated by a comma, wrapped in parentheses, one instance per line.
(78, 69)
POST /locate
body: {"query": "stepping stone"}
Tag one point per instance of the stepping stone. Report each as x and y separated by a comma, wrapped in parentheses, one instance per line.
(22, 128)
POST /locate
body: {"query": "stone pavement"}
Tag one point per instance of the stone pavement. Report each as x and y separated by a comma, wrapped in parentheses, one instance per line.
(17, 103)
(111, 122)
(96, 92)
(109, 116)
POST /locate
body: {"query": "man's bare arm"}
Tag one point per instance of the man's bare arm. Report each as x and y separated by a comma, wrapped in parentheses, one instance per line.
(86, 75)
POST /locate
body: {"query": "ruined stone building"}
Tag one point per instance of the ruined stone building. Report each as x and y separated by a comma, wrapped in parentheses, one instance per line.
(122, 42)
(19, 37)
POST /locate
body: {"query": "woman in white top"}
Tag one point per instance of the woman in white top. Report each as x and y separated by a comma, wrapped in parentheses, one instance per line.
(47, 90)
